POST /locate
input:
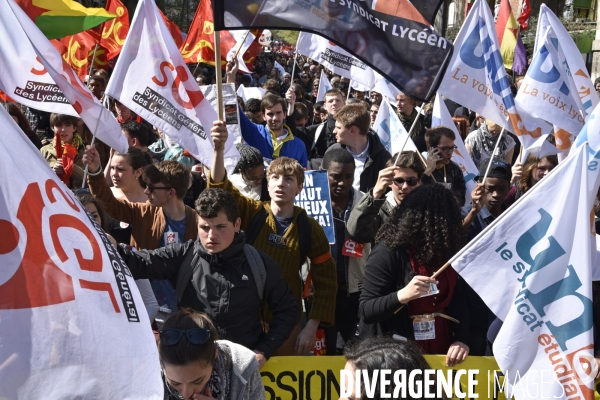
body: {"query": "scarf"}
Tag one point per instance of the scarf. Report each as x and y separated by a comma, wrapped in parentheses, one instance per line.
(277, 145)
(67, 153)
(407, 122)
(220, 377)
(485, 143)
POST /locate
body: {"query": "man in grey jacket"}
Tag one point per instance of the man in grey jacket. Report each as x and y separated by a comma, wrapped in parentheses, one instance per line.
(222, 276)
(379, 203)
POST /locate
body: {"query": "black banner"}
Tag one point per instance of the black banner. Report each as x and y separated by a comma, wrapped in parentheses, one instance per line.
(391, 36)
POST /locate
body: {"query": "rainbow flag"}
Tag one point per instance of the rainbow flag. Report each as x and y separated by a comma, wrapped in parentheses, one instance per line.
(60, 18)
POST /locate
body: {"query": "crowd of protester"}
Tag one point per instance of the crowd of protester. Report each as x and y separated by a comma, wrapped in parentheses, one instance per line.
(230, 268)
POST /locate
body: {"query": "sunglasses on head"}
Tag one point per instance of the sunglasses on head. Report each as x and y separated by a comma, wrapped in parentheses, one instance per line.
(410, 181)
(196, 336)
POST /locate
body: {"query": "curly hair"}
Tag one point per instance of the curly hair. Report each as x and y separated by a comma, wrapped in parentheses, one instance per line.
(212, 201)
(429, 222)
(250, 157)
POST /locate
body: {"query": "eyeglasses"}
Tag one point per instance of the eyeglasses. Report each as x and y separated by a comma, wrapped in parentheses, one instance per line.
(196, 336)
(448, 149)
(252, 180)
(152, 188)
(410, 181)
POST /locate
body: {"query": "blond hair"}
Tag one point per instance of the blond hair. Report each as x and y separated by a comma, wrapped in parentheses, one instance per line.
(287, 167)
(354, 115)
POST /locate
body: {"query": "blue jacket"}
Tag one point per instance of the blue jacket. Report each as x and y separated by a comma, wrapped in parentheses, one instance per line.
(258, 136)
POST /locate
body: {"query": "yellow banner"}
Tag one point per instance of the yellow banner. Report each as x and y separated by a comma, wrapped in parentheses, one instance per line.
(318, 378)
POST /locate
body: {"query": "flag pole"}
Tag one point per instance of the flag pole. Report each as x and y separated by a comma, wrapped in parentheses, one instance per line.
(408, 136)
(219, 82)
(487, 171)
(349, 89)
(242, 44)
(85, 171)
(92, 63)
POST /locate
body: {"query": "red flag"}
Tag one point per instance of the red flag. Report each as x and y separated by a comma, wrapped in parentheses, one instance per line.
(523, 19)
(115, 31)
(79, 52)
(252, 51)
(5, 98)
(173, 28)
(199, 43)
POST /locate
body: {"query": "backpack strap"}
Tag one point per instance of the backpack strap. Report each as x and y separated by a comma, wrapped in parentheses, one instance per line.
(258, 269)
(256, 225)
(186, 271)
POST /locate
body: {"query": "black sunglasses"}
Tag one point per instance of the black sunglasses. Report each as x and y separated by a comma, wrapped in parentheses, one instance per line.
(410, 181)
(196, 336)
(152, 188)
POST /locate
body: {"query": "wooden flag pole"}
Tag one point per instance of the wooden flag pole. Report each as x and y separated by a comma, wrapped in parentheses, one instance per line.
(242, 44)
(349, 89)
(435, 275)
(219, 82)
(92, 63)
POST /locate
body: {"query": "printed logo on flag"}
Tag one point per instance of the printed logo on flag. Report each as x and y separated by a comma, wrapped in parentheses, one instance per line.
(38, 281)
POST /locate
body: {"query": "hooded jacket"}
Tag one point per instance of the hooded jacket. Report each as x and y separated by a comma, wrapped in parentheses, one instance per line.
(376, 160)
(228, 294)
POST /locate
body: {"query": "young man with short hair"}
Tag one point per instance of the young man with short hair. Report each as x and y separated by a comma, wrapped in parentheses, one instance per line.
(440, 142)
(318, 138)
(352, 133)
(284, 231)
(350, 257)
(378, 203)
(96, 84)
(222, 276)
(374, 110)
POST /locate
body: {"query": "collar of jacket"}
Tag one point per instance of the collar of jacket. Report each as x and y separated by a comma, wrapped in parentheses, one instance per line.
(232, 255)
(278, 145)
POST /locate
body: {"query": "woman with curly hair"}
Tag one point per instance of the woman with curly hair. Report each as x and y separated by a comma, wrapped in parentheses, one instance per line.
(420, 237)
(526, 176)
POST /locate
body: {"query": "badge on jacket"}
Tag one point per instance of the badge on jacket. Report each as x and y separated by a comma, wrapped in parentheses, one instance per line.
(277, 240)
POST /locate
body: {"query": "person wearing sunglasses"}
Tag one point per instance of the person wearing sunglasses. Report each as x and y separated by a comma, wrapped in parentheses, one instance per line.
(197, 365)
(440, 142)
(394, 183)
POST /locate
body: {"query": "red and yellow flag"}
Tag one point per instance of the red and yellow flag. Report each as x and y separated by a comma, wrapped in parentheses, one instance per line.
(173, 28)
(199, 43)
(507, 30)
(115, 31)
(60, 18)
(252, 51)
(79, 49)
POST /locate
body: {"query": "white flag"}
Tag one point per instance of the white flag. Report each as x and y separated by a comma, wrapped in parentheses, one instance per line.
(72, 321)
(334, 58)
(390, 130)
(570, 56)
(247, 37)
(385, 87)
(441, 117)
(247, 93)
(548, 91)
(540, 249)
(324, 86)
(34, 73)
(476, 77)
(152, 80)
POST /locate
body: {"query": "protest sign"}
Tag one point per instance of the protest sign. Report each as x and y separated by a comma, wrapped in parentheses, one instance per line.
(232, 118)
(287, 378)
(316, 200)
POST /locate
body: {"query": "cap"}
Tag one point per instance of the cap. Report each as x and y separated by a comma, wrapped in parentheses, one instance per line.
(499, 169)
(306, 65)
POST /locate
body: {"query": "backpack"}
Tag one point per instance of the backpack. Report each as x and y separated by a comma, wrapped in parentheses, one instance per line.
(184, 275)
(259, 219)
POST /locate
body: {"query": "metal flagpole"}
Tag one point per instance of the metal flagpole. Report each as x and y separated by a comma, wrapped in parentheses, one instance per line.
(85, 171)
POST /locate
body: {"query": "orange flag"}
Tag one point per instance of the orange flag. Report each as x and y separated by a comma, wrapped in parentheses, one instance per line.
(115, 31)
(79, 49)
(173, 28)
(199, 43)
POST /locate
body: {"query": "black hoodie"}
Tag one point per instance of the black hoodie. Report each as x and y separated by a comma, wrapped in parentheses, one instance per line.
(229, 294)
